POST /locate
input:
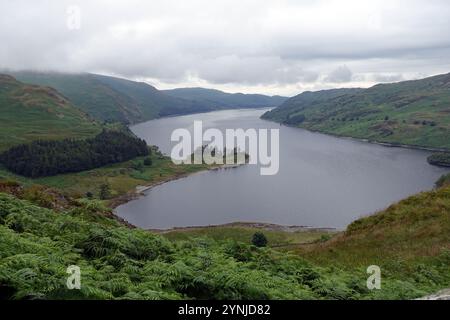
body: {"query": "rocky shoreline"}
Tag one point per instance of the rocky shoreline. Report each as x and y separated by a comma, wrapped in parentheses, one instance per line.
(441, 295)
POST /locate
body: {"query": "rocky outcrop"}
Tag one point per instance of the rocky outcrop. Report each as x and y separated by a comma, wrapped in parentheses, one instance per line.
(441, 295)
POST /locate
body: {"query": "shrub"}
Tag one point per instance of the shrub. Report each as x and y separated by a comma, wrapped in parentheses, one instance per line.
(259, 240)
(325, 237)
(39, 195)
(105, 191)
(440, 159)
(147, 162)
(238, 251)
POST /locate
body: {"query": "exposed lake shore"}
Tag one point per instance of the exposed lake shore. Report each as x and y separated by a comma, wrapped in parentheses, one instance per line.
(254, 225)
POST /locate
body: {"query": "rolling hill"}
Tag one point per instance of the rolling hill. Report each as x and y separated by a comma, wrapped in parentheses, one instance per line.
(415, 113)
(222, 100)
(114, 99)
(30, 112)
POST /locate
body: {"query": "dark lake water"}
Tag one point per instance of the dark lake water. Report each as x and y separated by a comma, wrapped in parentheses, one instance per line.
(323, 181)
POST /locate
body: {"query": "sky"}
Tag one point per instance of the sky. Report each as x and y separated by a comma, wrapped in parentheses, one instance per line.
(280, 47)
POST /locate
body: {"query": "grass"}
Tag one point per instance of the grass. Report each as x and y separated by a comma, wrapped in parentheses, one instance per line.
(241, 233)
(117, 262)
(412, 232)
(413, 113)
(46, 229)
(113, 99)
(93, 97)
(410, 241)
(443, 181)
(29, 113)
(121, 177)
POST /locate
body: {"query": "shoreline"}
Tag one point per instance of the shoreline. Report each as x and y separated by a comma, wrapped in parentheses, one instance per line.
(366, 140)
(256, 225)
(139, 191)
(194, 113)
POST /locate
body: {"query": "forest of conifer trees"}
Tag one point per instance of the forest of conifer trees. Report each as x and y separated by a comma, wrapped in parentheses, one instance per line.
(46, 158)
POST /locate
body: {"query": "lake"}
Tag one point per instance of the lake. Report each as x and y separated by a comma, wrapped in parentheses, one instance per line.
(323, 181)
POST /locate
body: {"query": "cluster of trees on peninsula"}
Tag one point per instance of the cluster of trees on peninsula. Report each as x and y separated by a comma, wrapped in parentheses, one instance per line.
(46, 158)
(440, 159)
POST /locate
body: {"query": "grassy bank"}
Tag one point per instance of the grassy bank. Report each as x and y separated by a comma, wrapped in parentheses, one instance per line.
(122, 178)
(413, 231)
(277, 236)
(413, 113)
(29, 113)
(117, 262)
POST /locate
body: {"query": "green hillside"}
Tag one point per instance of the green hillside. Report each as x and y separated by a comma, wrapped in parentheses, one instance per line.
(409, 242)
(223, 100)
(415, 113)
(90, 95)
(29, 112)
(152, 102)
(407, 234)
(119, 100)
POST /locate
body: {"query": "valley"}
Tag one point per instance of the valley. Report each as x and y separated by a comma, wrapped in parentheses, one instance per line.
(224, 159)
(50, 221)
(111, 99)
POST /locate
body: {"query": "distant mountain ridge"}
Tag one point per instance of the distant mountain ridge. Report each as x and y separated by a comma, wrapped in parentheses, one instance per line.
(219, 99)
(113, 99)
(415, 113)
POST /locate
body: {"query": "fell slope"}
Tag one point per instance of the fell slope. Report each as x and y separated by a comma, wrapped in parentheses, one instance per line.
(414, 113)
(111, 99)
(410, 233)
(29, 112)
(410, 242)
(152, 102)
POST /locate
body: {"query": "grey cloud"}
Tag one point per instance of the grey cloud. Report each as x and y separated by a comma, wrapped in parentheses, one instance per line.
(289, 44)
(253, 70)
(388, 77)
(340, 75)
